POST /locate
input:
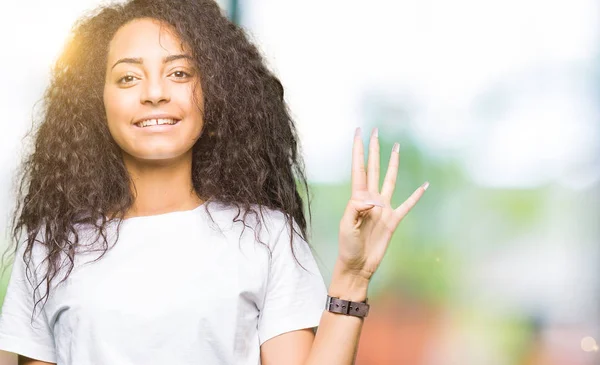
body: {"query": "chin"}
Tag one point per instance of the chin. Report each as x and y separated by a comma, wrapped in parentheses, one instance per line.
(157, 155)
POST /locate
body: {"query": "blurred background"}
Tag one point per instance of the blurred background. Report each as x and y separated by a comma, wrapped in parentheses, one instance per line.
(495, 102)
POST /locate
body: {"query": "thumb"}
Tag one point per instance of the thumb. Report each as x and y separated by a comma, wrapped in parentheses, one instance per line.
(366, 205)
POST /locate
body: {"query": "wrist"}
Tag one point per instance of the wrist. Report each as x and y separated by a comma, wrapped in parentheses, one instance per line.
(348, 285)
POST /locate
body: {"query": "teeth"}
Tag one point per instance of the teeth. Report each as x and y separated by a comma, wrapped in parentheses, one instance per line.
(150, 122)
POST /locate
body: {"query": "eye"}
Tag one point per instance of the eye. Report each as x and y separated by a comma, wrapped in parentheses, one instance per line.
(181, 74)
(126, 79)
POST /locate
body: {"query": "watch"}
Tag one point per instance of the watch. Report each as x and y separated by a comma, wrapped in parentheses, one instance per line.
(341, 306)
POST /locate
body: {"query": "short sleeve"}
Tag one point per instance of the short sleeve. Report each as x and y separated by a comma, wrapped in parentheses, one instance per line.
(295, 297)
(19, 332)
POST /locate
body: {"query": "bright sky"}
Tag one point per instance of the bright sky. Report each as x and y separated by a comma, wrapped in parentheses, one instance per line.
(440, 59)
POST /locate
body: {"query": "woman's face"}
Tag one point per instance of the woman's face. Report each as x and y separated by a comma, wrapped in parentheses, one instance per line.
(148, 92)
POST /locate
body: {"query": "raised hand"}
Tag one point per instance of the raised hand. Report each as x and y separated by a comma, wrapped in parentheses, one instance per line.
(369, 220)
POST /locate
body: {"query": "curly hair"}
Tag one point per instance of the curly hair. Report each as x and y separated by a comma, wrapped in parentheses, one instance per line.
(247, 156)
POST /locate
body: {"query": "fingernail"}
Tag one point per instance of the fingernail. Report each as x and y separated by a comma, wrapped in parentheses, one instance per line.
(373, 202)
(425, 185)
(375, 133)
(396, 147)
(357, 132)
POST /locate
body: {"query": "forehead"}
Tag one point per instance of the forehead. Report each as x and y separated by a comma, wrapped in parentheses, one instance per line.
(145, 37)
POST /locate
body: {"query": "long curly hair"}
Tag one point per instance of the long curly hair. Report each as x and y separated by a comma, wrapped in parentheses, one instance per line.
(247, 156)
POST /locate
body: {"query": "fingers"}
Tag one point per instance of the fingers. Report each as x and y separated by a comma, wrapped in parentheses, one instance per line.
(389, 183)
(354, 209)
(359, 178)
(404, 208)
(373, 163)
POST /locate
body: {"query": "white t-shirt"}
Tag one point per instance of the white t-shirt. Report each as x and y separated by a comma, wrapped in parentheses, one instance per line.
(173, 290)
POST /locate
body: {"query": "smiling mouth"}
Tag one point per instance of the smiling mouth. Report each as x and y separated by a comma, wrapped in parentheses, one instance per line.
(156, 122)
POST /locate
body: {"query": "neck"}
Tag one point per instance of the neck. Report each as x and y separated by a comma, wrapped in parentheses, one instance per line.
(161, 187)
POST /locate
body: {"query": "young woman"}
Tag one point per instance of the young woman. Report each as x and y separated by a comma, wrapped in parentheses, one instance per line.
(160, 210)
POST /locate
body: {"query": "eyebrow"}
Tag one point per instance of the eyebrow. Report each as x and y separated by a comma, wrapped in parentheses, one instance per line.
(139, 60)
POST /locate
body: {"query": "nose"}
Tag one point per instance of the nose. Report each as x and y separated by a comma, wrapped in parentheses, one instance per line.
(155, 91)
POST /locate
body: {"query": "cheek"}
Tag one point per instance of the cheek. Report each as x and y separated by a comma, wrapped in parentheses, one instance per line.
(116, 116)
(194, 107)
(198, 106)
(117, 107)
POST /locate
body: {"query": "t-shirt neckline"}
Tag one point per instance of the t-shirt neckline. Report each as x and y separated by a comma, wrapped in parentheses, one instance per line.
(163, 215)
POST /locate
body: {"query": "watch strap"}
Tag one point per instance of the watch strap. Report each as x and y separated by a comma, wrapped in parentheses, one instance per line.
(341, 306)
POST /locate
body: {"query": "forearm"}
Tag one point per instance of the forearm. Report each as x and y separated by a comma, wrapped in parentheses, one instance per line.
(336, 341)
